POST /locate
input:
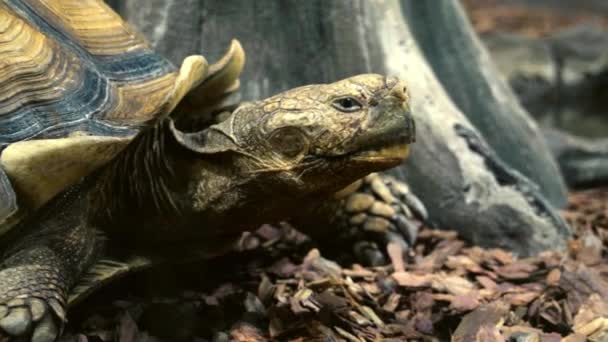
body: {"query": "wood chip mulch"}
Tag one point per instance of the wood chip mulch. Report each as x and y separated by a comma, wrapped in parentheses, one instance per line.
(445, 289)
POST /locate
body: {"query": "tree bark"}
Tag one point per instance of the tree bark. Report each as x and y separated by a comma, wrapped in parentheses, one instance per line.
(466, 71)
(291, 43)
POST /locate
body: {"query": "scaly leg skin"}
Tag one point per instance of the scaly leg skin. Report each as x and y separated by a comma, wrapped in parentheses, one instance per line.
(369, 214)
(39, 268)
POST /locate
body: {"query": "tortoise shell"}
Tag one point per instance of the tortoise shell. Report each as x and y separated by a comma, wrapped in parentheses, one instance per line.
(76, 84)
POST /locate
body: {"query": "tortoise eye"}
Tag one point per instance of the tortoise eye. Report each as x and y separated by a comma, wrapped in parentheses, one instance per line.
(347, 104)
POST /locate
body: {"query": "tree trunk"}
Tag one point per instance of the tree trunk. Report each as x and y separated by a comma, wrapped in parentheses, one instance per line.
(472, 81)
(291, 43)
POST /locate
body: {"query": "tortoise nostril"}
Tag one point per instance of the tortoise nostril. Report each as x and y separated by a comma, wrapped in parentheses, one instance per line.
(399, 91)
(391, 81)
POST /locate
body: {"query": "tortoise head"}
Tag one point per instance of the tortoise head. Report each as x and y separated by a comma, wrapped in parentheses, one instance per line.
(312, 139)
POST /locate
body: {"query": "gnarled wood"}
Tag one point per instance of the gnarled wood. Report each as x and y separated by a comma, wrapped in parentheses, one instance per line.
(472, 81)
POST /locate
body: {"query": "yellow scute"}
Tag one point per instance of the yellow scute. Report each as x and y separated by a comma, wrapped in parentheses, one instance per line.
(40, 169)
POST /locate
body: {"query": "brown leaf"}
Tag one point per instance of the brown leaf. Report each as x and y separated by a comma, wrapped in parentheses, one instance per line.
(402, 316)
(357, 271)
(332, 301)
(409, 279)
(516, 270)
(592, 316)
(452, 284)
(422, 302)
(521, 333)
(246, 333)
(283, 268)
(489, 334)
(591, 249)
(315, 266)
(268, 232)
(487, 283)
(463, 262)
(429, 234)
(579, 283)
(485, 317)
(443, 297)
(553, 277)
(424, 324)
(467, 302)
(502, 256)
(574, 338)
(552, 337)
(439, 256)
(522, 298)
(395, 252)
(371, 288)
(392, 302)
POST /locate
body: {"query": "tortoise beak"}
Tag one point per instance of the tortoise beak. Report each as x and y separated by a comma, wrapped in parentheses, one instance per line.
(390, 132)
(398, 90)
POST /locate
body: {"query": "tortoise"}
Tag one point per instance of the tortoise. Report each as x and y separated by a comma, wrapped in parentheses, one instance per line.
(112, 158)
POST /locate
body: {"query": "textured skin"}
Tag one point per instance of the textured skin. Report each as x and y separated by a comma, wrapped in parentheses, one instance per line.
(38, 271)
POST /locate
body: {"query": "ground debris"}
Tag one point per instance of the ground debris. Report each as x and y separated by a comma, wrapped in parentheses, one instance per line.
(482, 324)
(442, 289)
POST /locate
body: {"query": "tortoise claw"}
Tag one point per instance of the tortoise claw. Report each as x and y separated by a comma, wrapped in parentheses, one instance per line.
(33, 318)
(381, 210)
(369, 252)
(30, 308)
(407, 229)
(45, 331)
(17, 322)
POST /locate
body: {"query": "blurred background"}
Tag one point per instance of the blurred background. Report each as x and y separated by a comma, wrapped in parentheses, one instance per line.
(554, 54)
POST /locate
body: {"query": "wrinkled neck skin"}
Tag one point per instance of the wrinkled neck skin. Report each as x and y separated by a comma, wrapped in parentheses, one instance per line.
(158, 193)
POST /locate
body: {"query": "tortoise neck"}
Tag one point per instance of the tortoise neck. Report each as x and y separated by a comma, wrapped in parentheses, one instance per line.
(138, 179)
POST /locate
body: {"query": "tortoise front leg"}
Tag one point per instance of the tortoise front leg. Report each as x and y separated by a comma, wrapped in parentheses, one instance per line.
(368, 214)
(39, 268)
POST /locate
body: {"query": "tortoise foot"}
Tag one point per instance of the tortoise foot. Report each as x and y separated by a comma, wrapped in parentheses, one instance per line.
(32, 307)
(381, 210)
